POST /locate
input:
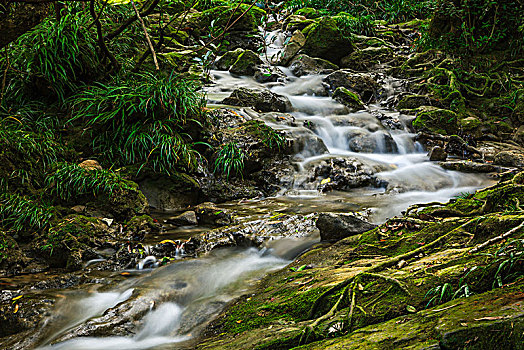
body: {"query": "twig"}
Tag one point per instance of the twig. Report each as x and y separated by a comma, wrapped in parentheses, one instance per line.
(4, 79)
(147, 35)
(101, 41)
(129, 21)
(496, 239)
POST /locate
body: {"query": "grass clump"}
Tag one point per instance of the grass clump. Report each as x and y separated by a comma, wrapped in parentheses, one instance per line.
(19, 213)
(230, 160)
(71, 180)
(139, 119)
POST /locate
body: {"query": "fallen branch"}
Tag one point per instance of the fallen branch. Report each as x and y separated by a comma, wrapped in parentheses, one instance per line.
(146, 35)
(496, 239)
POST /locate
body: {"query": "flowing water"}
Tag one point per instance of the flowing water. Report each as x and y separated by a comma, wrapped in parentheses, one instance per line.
(172, 303)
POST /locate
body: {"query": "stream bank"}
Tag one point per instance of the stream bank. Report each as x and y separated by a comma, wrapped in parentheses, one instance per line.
(318, 133)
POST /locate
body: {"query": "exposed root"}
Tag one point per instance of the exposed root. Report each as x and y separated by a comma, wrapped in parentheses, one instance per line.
(496, 239)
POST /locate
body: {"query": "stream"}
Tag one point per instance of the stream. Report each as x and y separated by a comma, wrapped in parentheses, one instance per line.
(167, 307)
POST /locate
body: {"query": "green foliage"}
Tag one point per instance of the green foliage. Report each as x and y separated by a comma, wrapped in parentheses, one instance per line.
(230, 160)
(509, 261)
(394, 11)
(139, 119)
(476, 26)
(52, 58)
(39, 146)
(352, 25)
(71, 180)
(269, 137)
(20, 213)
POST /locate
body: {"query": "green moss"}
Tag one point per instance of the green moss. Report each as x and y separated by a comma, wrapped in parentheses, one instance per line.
(245, 63)
(308, 12)
(348, 98)
(325, 40)
(441, 121)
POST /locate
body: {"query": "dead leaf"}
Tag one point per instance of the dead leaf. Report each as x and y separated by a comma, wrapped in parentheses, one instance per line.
(489, 318)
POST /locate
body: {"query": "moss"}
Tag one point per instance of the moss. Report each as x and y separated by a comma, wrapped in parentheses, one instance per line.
(325, 40)
(348, 98)
(308, 12)
(441, 121)
(245, 63)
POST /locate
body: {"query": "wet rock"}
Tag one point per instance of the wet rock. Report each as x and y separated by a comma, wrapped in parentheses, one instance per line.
(90, 164)
(266, 74)
(365, 59)
(469, 167)
(305, 65)
(209, 214)
(245, 63)
(255, 233)
(342, 174)
(170, 193)
(361, 83)
(325, 40)
(260, 99)
(296, 22)
(510, 158)
(348, 99)
(296, 42)
(140, 226)
(334, 227)
(519, 135)
(186, 218)
(390, 122)
(226, 61)
(307, 142)
(437, 153)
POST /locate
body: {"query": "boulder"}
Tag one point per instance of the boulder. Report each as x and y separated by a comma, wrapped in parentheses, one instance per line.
(246, 63)
(519, 135)
(260, 99)
(304, 65)
(325, 40)
(296, 42)
(185, 219)
(266, 74)
(437, 153)
(296, 22)
(348, 99)
(209, 214)
(415, 101)
(225, 61)
(509, 158)
(361, 83)
(334, 227)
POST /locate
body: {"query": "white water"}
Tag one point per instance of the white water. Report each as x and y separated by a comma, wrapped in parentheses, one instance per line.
(189, 293)
(194, 287)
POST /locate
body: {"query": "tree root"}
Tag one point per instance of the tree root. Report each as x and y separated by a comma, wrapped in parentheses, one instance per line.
(418, 206)
(496, 239)
(370, 272)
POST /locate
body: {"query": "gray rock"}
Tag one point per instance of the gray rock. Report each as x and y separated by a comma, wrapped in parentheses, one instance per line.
(438, 154)
(246, 63)
(510, 158)
(293, 47)
(469, 167)
(361, 83)
(334, 227)
(187, 218)
(260, 99)
(209, 214)
(267, 74)
(304, 65)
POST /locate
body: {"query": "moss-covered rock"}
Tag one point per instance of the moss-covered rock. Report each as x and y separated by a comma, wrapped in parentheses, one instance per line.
(262, 100)
(325, 40)
(226, 60)
(305, 65)
(348, 99)
(441, 121)
(246, 63)
(308, 12)
(415, 101)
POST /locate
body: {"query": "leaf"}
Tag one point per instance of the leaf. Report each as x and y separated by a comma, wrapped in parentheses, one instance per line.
(325, 181)
(411, 309)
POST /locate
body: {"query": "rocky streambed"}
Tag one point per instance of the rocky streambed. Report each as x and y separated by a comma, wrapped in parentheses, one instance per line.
(272, 259)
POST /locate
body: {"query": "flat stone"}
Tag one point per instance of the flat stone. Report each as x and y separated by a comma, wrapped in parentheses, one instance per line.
(334, 227)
